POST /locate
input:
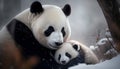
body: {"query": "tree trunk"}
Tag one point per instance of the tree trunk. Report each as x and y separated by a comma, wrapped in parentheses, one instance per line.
(111, 12)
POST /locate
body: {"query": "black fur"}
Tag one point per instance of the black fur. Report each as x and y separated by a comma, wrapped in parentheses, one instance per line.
(36, 7)
(75, 47)
(59, 57)
(68, 55)
(67, 9)
(63, 32)
(24, 37)
(49, 31)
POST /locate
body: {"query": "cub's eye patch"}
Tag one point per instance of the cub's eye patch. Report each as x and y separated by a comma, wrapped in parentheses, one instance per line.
(49, 31)
(75, 47)
(68, 55)
(59, 57)
(63, 31)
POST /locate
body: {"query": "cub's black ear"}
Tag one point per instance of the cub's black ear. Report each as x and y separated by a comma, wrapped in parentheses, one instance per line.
(75, 47)
(36, 7)
(67, 9)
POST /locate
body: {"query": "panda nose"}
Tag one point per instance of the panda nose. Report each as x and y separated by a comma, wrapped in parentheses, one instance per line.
(58, 43)
(63, 62)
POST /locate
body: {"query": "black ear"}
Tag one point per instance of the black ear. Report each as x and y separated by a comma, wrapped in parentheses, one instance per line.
(67, 9)
(75, 47)
(36, 7)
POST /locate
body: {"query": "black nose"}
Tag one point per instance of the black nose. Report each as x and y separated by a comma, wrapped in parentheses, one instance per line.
(58, 43)
(63, 62)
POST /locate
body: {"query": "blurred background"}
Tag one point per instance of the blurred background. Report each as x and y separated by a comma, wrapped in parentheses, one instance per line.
(87, 20)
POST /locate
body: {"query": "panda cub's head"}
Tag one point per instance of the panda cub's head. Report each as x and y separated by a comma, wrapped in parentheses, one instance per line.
(67, 52)
(49, 23)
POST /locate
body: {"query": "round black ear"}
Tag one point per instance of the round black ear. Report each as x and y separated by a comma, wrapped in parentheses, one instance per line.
(36, 7)
(67, 9)
(75, 47)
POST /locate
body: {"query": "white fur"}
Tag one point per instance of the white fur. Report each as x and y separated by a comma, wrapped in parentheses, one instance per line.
(90, 57)
(52, 16)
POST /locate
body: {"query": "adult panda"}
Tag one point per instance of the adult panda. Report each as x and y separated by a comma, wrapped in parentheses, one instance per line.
(73, 52)
(36, 31)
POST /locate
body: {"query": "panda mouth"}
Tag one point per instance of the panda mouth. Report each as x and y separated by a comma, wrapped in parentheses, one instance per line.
(52, 47)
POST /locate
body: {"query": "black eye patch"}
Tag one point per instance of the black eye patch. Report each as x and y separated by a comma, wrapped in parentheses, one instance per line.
(75, 47)
(68, 55)
(59, 57)
(63, 31)
(49, 31)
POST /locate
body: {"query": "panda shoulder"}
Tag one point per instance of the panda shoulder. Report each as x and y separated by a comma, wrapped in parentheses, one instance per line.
(24, 16)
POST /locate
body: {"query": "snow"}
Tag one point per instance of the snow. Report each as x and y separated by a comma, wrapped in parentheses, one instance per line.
(103, 41)
(92, 47)
(114, 63)
(107, 33)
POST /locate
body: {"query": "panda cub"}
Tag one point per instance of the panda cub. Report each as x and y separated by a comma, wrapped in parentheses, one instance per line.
(72, 50)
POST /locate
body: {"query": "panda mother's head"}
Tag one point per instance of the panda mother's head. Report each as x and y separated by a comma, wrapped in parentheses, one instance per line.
(50, 24)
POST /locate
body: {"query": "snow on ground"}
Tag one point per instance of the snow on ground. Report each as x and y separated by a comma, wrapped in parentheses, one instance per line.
(114, 63)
